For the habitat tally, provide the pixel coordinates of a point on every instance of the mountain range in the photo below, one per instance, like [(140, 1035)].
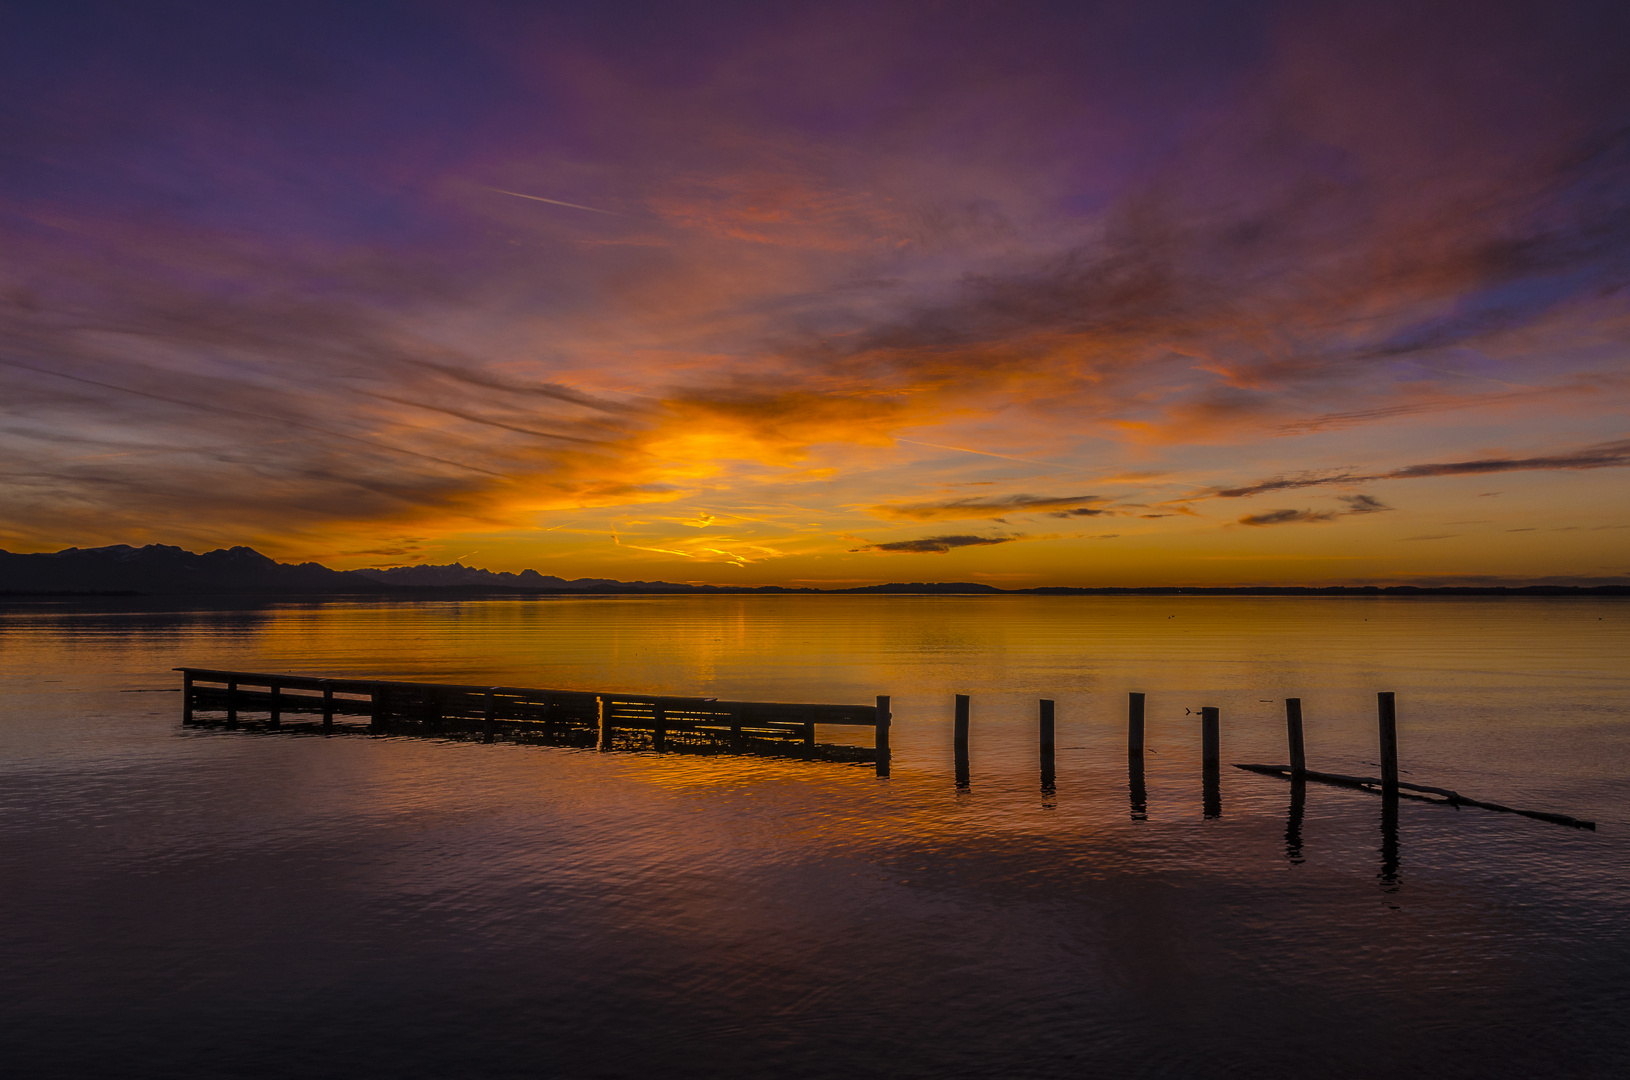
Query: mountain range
[(162, 569)]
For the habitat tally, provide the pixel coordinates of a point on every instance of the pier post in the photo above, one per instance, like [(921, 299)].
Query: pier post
[(884, 721), (232, 703), (1211, 760), (1047, 743), (489, 714), (605, 723), (275, 714), (960, 740), (1134, 726), (659, 727), (1293, 727), (376, 708), (1389, 740), (328, 705), (809, 732), (1134, 757), (186, 697)]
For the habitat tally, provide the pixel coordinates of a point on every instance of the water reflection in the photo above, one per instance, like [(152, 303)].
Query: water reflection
[(1389, 842), (1139, 793), (1293, 820)]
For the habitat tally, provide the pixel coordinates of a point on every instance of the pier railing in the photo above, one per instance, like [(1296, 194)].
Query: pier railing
[(571, 717)]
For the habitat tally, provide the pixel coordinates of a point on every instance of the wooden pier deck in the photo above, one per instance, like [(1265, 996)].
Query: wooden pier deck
[(607, 721)]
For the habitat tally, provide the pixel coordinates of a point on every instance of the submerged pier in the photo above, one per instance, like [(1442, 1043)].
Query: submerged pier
[(603, 720)]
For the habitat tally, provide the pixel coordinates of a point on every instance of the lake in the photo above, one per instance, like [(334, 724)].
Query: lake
[(202, 902)]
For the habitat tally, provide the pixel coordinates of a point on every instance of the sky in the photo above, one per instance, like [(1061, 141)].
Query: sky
[(1098, 294)]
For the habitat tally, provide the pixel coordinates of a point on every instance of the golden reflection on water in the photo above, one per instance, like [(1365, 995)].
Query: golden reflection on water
[(795, 911)]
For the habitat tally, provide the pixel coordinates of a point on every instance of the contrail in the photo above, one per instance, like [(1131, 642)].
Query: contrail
[(984, 453), (557, 202)]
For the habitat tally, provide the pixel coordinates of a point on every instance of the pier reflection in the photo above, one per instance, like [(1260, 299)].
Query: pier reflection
[(1212, 793), (1139, 794), (1389, 842), (1293, 820)]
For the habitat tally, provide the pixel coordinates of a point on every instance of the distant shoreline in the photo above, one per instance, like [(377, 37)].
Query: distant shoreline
[(432, 592)]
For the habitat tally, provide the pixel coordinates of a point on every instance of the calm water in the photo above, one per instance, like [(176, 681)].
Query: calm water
[(189, 903)]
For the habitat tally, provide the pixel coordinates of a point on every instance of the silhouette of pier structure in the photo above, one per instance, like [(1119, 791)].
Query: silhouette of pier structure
[(619, 721), (1387, 784), (589, 719)]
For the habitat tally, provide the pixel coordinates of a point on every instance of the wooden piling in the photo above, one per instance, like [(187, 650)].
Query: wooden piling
[(489, 714), (1389, 740), (1293, 727), (232, 703), (885, 720), (1047, 743), (605, 723), (275, 717), (1134, 725), (960, 738), (328, 705), (659, 727), (376, 708), (186, 698), (1210, 739)]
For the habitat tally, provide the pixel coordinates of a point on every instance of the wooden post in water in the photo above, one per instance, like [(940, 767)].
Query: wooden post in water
[(275, 717), (489, 714), (1047, 743), (736, 716), (1389, 740), (328, 706), (232, 703), (1134, 726), (809, 732), (659, 727), (960, 739), (884, 721), (605, 723), (1293, 727), (1211, 760), (376, 707), (1134, 757), (186, 697)]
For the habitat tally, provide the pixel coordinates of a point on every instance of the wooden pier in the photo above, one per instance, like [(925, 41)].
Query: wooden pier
[(588, 719)]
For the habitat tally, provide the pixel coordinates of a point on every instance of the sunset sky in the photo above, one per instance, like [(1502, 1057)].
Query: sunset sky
[(1075, 294)]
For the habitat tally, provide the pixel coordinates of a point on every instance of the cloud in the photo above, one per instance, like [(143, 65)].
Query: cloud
[(1286, 517), (1356, 504), (1601, 456), (991, 506), (935, 545), (1363, 504)]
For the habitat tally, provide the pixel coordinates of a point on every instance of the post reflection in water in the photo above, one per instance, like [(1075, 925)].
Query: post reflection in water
[(1293, 820), (1389, 841), (1140, 794)]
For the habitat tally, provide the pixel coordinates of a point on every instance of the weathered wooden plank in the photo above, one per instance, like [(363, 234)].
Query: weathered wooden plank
[(1453, 798)]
